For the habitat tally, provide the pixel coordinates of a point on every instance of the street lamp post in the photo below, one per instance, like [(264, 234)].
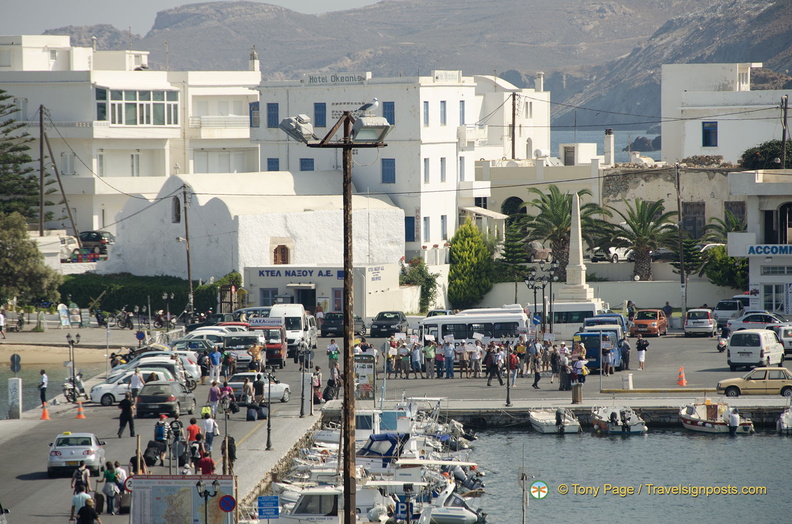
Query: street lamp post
[(167, 297), (73, 342), (303, 356), (268, 370), (362, 132), (206, 494), (553, 278)]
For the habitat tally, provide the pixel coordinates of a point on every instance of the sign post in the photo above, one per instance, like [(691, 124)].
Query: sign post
[(268, 507)]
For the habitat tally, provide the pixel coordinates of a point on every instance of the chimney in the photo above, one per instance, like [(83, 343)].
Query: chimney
[(93, 43), (608, 147), (254, 64), (539, 81)]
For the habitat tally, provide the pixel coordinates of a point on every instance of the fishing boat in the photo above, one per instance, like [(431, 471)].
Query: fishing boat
[(617, 420), (711, 417), (558, 421), (784, 424)]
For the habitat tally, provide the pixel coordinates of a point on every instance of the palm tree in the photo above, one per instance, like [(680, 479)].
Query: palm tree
[(553, 221), (646, 226), (718, 231)]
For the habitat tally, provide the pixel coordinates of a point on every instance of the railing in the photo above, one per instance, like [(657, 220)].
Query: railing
[(472, 133), (219, 122)]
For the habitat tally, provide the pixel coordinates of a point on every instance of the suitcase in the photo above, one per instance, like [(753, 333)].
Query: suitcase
[(151, 456), (206, 410), (99, 498), (263, 413), (125, 502), (252, 414), (328, 393)]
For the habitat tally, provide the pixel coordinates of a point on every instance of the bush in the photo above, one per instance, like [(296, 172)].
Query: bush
[(417, 274)]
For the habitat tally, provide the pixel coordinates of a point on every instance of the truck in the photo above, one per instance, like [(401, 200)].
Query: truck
[(272, 332)]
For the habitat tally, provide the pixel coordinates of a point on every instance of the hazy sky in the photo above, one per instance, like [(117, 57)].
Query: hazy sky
[(32, 17)]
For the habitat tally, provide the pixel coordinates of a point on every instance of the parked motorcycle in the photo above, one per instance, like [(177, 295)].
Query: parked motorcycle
[(101, 318), (124, 319), (73, 393), (722, 343), (161, 320)]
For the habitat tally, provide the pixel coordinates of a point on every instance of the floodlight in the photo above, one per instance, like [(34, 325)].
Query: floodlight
[(298, 127), (370, 129)]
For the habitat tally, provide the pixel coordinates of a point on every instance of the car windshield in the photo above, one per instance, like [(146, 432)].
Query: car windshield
[(155, 390), (388, 315), (73, 441), (272, 335), (744, 339), (333, 316), (240, 341), (728, 306), (698, 315), (646, 315), (293, 323)]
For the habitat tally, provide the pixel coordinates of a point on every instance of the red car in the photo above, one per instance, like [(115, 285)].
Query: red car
[(649, 322)]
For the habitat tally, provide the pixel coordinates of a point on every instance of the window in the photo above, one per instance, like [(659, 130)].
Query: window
[(426, 229), (736, 208), (320, 114), (389, 112), (388, 170), (176, 210), (21, 105), (267, 296), (529, 109), (255, 114), (100, 164), (442, 112), (426, 114), (273, 164), (67, 163), (709, 134), (272, 115), (461, 112), (338, 299), (773, 297), (281, 255), (693, 218), (461, 169), (442, 169), (53, 54), (480, 202), (444, 227), (134, 164), (306, 164), (426, 170), (409, 229), (134, 108), (459, 331)]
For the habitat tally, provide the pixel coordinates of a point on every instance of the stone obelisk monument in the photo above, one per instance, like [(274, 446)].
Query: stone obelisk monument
[(576, 289)]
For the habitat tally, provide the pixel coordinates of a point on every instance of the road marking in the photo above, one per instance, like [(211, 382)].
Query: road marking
[(243, 439)]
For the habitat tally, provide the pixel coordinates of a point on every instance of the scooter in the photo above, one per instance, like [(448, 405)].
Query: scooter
[(722, 343), (73, 393), (161, 320), (101, 318)]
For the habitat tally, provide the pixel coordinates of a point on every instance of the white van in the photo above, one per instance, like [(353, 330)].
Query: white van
[(300, 327), (754, 347), (611, 328)]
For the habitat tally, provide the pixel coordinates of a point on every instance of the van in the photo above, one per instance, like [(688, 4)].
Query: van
[(240, 342), (300, 327), (610, 328), (784, 333), (593, 341), (606, 319), (726, 310), (754, 347), (744, 299)]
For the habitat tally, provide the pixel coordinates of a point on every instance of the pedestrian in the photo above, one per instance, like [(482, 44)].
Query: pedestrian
[(319, 315), (564, 373), (177, 429), (227, 394), (514, 367), (255, 357), (546, 353), (197, 450), (332, 353), (207, 464), (624, 347), (734, 422), (579, 370), (640, 345), (258, 389), (161, 436), (439, 362), (229, 364), (390, 360), (404, 355), (136, 383), (86, 514), (449, 352), (334, 382), (43, 388), (605, 368), (205, 364), (248, 394), (215, 360), (316, 383), (417, 360), (79, 500), (429, 356), (213, 397), (81, 477), (193, 430), (137, 466), (475, 359), (121, 476), (667, 309), (211, 430), (2, 322), (110, 488), (492, 365), (127, 407), (463, 358), (555, 364), (631, 310), (536, 366)]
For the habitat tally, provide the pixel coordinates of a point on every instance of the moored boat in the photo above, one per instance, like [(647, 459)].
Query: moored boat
[(784, 423), (711, 417), (559, 421), (617, 420)]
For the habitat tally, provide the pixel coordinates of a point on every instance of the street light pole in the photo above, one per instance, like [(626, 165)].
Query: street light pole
[(269, 408), (73, 342), (206, 495)]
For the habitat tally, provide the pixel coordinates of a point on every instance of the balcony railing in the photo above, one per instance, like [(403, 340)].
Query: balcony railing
[(219, 122), (472, 133)]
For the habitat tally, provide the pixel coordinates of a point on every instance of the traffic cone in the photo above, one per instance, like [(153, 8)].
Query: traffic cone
[(681, 380), (80, 412), (44, 413)]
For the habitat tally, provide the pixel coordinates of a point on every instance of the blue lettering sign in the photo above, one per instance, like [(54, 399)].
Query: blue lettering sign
[(269, 272), (340, 274), (770, 249)]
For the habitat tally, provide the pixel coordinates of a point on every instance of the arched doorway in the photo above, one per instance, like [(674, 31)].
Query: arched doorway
[(281, 255)]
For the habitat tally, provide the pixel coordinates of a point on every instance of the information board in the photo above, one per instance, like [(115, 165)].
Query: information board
[(175, 498)]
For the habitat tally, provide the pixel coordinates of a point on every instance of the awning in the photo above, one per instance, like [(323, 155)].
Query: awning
[(485, 212), (301, 285)]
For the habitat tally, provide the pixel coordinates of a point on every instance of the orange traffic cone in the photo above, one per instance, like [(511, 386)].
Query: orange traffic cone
[(681, 380), (80, 412), (44, 413)]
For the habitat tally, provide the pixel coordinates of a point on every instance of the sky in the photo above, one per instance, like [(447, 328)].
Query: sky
[(33, 17)]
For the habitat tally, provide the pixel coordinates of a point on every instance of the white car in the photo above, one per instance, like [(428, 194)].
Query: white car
[(280, 390), (700, 322), (611, 254), (70, 448), (189, 360), (754, 321), (111, 391)]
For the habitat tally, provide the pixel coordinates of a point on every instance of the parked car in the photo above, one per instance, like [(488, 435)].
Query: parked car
[(784, 333), (439, 312), (113, 390), (536, 251), (388, 323), (759, 320), (754, 348), (164, 397), (649, 322), (245, 314), (189, 360), (726, 310), (96, 241), (280, 391), (758, 381), (212, 320), (68, 244), (611, 254), (333, 323), (70, 448), (700, 322), (198, 345), (663, 253)]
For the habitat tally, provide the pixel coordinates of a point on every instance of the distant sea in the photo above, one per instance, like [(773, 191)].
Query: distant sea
[(621, 137)]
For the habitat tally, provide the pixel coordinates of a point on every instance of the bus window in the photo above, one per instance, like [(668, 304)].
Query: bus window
[(459, 331), (571, 317), (480, 327), (505, 329), (430, 329)]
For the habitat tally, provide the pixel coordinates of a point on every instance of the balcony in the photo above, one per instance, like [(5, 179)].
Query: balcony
[(103, 129), (472, 135), (215, 126)]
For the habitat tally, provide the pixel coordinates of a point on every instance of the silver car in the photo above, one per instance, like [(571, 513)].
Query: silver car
[(70, 448)]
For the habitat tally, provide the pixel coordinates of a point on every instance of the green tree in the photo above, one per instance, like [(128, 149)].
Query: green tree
[(469, 277), (764, 156), (23, 273), (18, 181), (723, 270), (718, 230), (693, 257), (514, 257), (552, 222), (417, 274), (645, 227)]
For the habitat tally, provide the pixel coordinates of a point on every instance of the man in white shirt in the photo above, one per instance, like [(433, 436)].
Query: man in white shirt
[(475, 359), (332, 353), (136, 383), (43, 388)]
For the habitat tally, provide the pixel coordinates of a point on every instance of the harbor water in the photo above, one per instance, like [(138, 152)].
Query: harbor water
[(642, 474)]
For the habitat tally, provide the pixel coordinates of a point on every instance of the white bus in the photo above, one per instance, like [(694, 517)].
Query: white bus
[(568, 317), (493, 323)]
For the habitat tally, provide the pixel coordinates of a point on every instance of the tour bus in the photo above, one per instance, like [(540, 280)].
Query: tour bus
[(492, 323), (568, 317)]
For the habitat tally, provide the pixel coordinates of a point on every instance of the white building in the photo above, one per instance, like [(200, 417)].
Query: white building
[(442, 124), (709, 109), (117, 128), (252, 221)]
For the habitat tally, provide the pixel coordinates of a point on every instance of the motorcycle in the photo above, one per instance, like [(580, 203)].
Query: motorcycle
[(722, 343), (161, 320), (124, 319), (101, 318), (73, 393)]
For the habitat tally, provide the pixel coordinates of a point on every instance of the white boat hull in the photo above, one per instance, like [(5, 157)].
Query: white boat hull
[(711, 418), (544, 421), (784, 425), (626, 421)]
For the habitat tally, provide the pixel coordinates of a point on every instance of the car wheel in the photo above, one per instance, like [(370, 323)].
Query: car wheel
[(192, 408), (614, 259), (281, 364), (786, 392), (107, 399), (732, 392), (286, 395)]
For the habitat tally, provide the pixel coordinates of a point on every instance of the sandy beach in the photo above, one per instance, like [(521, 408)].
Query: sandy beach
[(49, 355)]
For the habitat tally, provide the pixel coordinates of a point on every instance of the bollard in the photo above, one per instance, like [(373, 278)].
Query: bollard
[(627, 381), (14, 397), (577, 393)]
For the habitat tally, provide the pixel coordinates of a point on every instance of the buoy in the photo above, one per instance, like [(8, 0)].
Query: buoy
[(44, 413), (681, 380), (80, 412)]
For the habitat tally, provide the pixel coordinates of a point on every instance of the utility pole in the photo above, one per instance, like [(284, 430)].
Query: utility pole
[(784, 105), (60, 184), (682, 276), (187, 246), (513, 126), (41, 170)]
